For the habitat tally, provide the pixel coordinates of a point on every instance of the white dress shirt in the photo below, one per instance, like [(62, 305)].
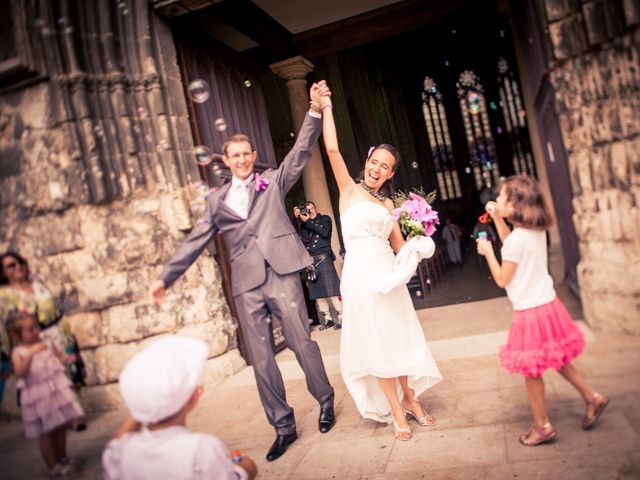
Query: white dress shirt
[(238, 196)]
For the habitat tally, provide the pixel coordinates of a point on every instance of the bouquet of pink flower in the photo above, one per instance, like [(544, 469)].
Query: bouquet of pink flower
[(415, 215)]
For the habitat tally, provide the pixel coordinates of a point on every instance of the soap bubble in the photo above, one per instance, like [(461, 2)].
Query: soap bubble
[(467, 170), (473, 103), (202, 155), (418, 293), (247, 83), (122, 5), (220, 124), (199, 91), (414, 165)]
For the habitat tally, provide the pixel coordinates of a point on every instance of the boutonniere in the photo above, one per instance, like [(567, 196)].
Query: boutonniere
[(261, 183)]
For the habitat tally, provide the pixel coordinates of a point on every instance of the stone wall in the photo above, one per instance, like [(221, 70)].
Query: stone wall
[(97, 188), (596, 75)]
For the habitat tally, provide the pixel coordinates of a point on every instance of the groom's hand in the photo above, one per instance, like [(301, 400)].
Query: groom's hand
[(156, 291)]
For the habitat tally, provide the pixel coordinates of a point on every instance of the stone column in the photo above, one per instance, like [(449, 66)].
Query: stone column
[(294, 71)]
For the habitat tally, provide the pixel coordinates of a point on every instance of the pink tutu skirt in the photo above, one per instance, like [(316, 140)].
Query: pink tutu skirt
[(540, 338)]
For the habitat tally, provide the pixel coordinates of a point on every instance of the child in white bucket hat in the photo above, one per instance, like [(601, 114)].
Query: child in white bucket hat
[(160, 387)]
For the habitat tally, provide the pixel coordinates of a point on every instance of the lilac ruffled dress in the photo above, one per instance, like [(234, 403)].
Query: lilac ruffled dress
[(47, 399)]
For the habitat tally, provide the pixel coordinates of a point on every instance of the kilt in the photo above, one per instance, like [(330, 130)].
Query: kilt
[(327, 283)]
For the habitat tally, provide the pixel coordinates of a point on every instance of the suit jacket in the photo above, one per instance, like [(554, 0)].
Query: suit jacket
[(265, 235)]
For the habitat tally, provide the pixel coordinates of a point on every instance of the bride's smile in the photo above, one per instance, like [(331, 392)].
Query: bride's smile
[(379, 168)]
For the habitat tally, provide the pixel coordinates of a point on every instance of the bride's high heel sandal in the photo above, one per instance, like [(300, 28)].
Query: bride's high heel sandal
[(402, 433), (426, 421)]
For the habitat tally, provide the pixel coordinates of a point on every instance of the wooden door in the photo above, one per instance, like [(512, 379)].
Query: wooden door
[(559, 182), (235, 104)]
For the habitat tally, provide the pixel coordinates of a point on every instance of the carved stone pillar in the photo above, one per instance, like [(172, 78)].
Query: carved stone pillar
[(294, 71)]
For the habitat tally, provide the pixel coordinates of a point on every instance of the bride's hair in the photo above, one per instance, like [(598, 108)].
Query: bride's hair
[(387, 189)]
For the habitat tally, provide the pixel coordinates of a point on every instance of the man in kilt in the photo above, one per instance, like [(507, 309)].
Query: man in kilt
[(315, 232)]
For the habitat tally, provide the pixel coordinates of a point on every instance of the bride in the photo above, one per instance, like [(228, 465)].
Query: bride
[(384, 358)]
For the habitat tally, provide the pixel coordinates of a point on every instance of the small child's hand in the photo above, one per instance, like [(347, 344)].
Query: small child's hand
[(484, 246), (38, 347), (492, 209)]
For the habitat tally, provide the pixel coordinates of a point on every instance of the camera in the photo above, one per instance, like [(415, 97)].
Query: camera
[(303, 209)]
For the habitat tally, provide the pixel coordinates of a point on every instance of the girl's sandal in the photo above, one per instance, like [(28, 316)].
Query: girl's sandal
[(546, 433), (402, 433), (599, 402)]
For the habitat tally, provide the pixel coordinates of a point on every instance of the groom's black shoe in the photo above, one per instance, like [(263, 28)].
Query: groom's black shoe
[(280, 445), (327, 419)]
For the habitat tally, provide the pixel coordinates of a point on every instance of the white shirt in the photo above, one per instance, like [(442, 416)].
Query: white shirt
[(531, 285), (238, 196), (174, 453)]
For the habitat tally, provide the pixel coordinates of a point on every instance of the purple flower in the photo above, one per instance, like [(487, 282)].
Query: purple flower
[(416, 217), (261, 183)]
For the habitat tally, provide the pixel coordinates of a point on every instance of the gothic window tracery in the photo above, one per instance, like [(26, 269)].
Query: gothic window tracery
[(440, 141), (515, 119), (482, 151)]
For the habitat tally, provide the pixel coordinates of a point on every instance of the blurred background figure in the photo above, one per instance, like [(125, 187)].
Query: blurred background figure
[(19, 292), (324, 284), (451, 234)]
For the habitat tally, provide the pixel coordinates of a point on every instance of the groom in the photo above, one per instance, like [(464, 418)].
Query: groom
[(265, 256)]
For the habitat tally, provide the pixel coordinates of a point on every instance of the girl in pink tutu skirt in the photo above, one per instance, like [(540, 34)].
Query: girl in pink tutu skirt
[(542, 333), (47, 399)]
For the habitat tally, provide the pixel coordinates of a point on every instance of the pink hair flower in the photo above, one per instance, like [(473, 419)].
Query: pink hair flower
[(261, 183)]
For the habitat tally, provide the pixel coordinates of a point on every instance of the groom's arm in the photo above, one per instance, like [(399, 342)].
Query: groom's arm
[(191, 248), (291, 168)]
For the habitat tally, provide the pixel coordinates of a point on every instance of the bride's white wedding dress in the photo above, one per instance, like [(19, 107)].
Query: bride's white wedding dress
[(381, 334)]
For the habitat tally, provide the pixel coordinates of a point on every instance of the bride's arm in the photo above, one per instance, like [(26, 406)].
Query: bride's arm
[(330, 137), (395, 238)]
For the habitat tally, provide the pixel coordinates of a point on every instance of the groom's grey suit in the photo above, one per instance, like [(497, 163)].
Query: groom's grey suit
[(265, 255)]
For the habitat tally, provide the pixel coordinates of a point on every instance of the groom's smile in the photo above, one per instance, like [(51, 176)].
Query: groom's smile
[(240, 159)]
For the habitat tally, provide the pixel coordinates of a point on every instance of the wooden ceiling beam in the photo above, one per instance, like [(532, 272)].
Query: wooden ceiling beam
[(249, 19), (377, 24)]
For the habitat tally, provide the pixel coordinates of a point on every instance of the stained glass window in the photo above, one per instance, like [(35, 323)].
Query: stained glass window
[(440, 141), (482, 151), (515, 119)]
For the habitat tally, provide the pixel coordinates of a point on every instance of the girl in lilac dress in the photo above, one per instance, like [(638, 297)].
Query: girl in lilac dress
[(47, 399), (542, 334)]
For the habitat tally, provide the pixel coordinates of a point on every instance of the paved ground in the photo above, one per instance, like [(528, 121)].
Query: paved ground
[(481, 410)]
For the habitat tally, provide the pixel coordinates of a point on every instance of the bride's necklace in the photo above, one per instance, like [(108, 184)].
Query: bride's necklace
[(371, 191)]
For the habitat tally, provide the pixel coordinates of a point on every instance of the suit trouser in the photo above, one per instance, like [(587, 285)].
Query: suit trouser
[(281, 296)]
